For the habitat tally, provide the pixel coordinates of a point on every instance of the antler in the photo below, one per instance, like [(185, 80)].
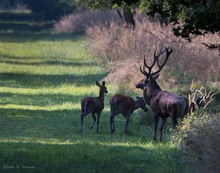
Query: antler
[(156, 60)]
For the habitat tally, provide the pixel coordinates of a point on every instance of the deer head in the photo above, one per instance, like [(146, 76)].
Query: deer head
[(152, 76), (102, 88), (140, 103)]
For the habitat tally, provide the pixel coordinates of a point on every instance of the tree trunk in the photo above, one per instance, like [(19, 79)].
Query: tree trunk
[(129, 17)]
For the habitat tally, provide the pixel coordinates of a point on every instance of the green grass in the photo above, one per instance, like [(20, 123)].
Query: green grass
[(42, 80)]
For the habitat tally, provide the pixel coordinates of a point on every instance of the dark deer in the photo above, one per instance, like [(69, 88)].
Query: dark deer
[(162, 103), (126, 106), (93, 105)]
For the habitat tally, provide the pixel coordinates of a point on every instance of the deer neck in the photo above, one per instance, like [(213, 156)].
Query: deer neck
[(136, 105), (154, 89), (151, 91), (101, 95)]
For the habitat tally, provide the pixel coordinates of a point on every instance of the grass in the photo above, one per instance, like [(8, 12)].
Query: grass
[(42, 80)]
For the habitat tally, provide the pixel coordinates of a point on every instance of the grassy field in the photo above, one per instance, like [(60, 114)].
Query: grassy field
[(42, 80)]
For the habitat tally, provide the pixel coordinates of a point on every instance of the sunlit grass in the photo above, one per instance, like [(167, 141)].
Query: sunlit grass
[(57, 49), (55, 141), (50, 69), (64, 106), (62, 89)]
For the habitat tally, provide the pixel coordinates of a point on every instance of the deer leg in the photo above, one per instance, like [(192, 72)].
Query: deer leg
[(156, 119), (81, 123), (126, 124), (163, 123), (98, 116), (112, 123), (94, 118), (174, 121)]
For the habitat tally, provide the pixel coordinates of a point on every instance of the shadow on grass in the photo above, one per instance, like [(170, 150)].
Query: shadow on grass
[(65, 62), (37, 36), (38, 123), (43, 125), (39, 81), (26, 60), (88, 157), (38, 99), (29, 26)]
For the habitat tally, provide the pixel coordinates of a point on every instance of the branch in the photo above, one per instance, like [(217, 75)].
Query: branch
[(212, 46)]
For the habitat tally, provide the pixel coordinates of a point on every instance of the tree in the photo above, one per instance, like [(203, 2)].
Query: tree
[(127, 7), (51, 9), (188, 18)]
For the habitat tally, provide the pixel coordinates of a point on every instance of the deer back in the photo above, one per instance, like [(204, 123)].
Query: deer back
[(92, 104), (168, 103), (122, 104)]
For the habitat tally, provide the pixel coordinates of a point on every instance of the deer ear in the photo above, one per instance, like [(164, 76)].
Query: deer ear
[(155, 77), (97, 83), (103, 83)]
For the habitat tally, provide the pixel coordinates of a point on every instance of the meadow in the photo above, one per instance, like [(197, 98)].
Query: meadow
[(42, 80)]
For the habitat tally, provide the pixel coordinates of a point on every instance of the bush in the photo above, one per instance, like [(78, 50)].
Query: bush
[(199, 139), (78, 22)]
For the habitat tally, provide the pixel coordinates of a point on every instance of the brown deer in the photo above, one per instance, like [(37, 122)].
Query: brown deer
[(162, 103), (126, 106), (93, 105)]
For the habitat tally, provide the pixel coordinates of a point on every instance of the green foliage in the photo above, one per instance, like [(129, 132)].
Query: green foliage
[(187, 17), (51, 9)]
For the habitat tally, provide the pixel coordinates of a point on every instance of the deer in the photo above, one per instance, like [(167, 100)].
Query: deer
[(163, 103), (126, 106), (93, 105)]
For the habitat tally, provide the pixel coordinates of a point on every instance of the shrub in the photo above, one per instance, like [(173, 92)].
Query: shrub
[(199, 136), (199, 139), (78, 22)]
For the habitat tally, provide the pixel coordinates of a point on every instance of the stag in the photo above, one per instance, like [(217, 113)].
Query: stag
[(126, 106), (162, 103), (93, 105), (201, 101)]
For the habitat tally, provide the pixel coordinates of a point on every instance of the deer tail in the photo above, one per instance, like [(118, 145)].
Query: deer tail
[(84, 106)]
